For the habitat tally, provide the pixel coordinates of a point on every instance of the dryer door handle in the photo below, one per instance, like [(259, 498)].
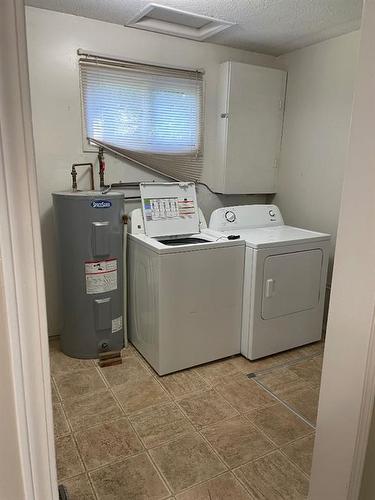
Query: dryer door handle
[(270, 288)]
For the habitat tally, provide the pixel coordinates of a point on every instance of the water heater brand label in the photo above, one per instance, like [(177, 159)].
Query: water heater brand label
[(101, 204), (101, 276)]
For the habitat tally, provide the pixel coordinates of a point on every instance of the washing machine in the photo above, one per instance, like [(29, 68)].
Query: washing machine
[(184, 281), (284, 278)]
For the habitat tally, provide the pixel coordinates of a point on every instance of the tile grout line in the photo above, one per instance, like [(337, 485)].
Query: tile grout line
[(202, 482), (54, 385), (239, 467), (211, 382), (93, 393), (124, 415), (66, 419), (172, 400), (117, 460), (197, 394), (57, 388), (162, 478), (141, 410), (276, 446), (201, 376), (194, 431), (230, 468), (243, 415), (284, 403), (230, 471), (88, 478), (197, 431), (79, 456), (123, 459), (240, 415), (307, 476), (87, 472), (259, 458), (187, 394), (92, 487), (157, 377), (76, 446), (280, 447), (284, 365)]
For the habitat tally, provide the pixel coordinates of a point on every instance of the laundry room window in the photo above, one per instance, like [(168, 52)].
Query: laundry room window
[(149, 114)]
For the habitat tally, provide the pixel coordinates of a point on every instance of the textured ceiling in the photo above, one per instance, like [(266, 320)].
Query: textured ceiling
[(267, 26)]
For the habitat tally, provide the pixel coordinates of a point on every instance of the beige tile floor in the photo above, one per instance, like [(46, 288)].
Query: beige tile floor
[(208, 433)]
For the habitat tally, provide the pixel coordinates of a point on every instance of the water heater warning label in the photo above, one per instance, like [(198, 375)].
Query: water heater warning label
[(117, 324), (101, 276)]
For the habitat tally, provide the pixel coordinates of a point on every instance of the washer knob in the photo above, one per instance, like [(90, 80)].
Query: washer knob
[(230, 216), (272, 213)]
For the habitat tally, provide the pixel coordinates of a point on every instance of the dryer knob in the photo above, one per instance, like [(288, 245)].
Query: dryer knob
[(272, 213), (230, 216)]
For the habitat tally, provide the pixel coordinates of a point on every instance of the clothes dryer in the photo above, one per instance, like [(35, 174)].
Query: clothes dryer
[(285, 278)]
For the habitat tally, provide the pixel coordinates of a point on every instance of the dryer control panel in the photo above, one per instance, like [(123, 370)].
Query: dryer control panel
[(245, 217)]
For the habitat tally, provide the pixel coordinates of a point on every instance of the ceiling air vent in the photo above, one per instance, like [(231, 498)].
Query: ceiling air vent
[(177, 22)]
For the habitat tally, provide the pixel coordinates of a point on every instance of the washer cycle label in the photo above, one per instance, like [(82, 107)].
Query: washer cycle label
[(168, 208), (101, 204), (101, 276)]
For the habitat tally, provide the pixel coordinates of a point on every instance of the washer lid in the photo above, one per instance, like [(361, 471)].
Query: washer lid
[(169, 208)]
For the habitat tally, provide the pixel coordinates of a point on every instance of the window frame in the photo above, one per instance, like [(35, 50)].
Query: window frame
[(88, 147)]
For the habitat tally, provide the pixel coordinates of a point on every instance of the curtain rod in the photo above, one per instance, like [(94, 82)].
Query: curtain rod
[(87, 53)]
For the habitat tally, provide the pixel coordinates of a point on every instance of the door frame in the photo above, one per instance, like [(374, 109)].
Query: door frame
[(25, 291), (25, 322), (348, 378)]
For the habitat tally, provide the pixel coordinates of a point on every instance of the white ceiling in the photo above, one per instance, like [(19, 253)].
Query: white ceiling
[(267, 26)]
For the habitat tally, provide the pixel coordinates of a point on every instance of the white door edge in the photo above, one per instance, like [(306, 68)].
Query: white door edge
[(22, 265), (348, 377), (366, 414)]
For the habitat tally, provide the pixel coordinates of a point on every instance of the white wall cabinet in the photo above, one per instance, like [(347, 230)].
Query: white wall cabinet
[(250, 120)]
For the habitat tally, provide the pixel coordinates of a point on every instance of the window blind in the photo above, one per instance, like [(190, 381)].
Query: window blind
[(149, 114)]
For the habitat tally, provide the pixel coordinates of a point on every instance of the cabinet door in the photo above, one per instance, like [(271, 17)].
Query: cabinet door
[(254, 116)]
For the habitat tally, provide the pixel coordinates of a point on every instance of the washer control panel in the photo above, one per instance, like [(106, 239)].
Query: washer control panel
[(245, 217)]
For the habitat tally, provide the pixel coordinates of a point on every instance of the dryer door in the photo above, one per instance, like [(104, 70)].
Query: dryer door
[(291, 283)]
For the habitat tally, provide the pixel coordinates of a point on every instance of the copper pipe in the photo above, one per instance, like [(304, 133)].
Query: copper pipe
[(74, 175), (101, 167)]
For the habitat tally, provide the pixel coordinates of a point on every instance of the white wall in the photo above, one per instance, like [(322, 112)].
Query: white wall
[(53, 39), (316, 132), (317, 119)]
